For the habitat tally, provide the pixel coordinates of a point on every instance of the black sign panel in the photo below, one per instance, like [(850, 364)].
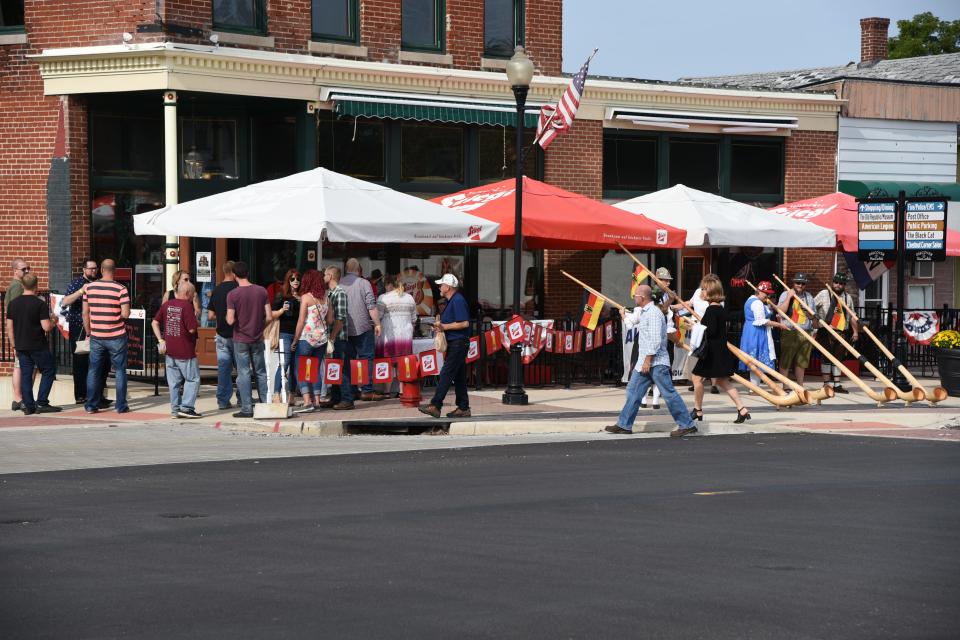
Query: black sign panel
[(876, 230), (136, 326)]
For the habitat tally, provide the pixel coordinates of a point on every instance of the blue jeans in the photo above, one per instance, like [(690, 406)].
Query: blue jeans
[(286, 348), (637, 390), (116, 350), (305, 350), (42, 360), (362, 347), (225, 372), (247, 356), (344, 391), (454, 372), (186, 372)]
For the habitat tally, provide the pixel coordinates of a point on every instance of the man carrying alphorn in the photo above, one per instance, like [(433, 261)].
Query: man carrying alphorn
[(829, 311)]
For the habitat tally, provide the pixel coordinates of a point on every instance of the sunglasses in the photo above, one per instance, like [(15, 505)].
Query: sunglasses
[(292, 278), (24, 269)]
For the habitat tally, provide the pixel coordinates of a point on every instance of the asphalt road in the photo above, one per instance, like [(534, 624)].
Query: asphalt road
[(805, 537)]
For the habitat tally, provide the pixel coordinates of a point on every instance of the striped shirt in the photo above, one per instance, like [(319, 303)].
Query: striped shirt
[(104, 298)]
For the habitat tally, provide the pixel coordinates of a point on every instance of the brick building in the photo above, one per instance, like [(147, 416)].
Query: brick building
[(135, 104)]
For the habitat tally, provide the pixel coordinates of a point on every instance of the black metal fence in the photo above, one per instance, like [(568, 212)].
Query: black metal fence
[(603, 365)]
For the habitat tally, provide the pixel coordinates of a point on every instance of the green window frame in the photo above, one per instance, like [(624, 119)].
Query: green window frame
[(17, 26), (519, 38), (438, 45), (259, 23), (725, 170), (352, 17)]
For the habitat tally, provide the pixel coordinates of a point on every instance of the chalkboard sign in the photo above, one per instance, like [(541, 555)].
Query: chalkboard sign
[(136, 326)]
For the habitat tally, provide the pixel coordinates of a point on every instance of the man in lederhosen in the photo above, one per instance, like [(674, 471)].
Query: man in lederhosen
[(831, 312)]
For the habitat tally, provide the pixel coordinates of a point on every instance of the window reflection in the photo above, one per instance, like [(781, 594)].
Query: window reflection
[(431, 153), (208, 149)]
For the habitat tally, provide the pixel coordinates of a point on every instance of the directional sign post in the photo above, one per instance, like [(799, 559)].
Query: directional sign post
[(925, 230)]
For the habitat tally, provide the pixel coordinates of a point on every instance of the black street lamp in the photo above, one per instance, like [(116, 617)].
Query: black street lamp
[(519, 73)]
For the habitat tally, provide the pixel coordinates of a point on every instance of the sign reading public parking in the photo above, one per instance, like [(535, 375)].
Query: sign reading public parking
[(876, 231), (925, 230)]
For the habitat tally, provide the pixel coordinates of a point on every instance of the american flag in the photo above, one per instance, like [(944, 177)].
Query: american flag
[(555, 119)]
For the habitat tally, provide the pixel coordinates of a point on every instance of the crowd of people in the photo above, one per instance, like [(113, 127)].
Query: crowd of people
[(267, 336)]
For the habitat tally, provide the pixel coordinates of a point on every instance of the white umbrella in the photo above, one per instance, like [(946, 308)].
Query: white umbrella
[(315, 204), (714, 221)]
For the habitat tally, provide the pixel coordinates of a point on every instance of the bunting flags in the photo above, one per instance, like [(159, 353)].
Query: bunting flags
[(591, 312), (359, 372), (428, 363), (491, 341), (473, 350), (639, 275), (608, 332), (588, 342), (308, 369), (407, 368), (332, 371), (382, 370)]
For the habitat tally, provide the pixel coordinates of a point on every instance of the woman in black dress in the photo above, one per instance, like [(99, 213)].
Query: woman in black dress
[(717, 362)]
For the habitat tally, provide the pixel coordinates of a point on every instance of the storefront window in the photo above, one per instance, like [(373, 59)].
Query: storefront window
[(335, 20), (126, 146), (756, 168), (696, 164), (629, 163), (208, 149), (352, 146), (274, 147), (495, 286), (431, 153), (113, 237), (498, 154), (502, 24)]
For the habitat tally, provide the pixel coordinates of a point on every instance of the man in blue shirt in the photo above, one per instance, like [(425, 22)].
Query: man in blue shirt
[(455, 323)]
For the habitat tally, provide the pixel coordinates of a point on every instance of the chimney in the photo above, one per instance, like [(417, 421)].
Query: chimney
[(873, 39)]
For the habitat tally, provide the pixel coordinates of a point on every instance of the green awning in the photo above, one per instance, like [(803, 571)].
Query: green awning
[(860, 188), (430, 108)]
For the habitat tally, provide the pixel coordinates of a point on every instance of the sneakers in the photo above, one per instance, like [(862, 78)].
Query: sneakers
[(243, 414), (16, 406), (188, 413), (431, 410), (307, 408), (839, 389), (679, 433), (617, 430), (459, 413), (224, 407), (48, 408)]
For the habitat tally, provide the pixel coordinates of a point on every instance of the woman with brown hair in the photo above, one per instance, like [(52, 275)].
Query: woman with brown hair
[(716, 362), (310, 334), (286, 311)]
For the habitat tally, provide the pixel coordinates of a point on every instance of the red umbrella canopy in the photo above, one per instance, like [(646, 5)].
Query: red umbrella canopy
[(558, 219), (838, 211)]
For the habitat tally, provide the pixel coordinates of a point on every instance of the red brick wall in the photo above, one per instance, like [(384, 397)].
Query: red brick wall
[(943, 284), (380, 29), (544, 35), (573, 162), (289, 21), (810, 171), (465, 36), (77, 128)]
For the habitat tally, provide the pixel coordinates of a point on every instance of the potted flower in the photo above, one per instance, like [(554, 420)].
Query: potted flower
[(946, 349)]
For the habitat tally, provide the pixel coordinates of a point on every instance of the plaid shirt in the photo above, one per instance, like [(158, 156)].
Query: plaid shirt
[(338, 302), (651, 334)]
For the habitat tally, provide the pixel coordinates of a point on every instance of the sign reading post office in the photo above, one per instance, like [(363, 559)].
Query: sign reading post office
[(877, 231), (925, 230)]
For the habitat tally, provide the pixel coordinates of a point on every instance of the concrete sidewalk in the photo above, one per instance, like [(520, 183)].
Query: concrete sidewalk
[(582, 409)]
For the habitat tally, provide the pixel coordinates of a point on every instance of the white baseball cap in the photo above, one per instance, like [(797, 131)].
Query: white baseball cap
[(450, 280)]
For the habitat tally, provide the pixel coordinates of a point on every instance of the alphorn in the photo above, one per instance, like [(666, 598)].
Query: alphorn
[(914, 395), (752, 363), (937, 395), (887, 394), (779, 401)]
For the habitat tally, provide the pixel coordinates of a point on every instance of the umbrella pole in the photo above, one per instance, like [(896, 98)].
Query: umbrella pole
[(937, 395), (887, 394), (801, 391)]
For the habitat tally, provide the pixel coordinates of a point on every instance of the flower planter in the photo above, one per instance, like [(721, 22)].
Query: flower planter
[(948, 362)]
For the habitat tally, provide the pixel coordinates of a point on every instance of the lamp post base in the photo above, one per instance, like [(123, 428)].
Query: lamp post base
[(515, 397)]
